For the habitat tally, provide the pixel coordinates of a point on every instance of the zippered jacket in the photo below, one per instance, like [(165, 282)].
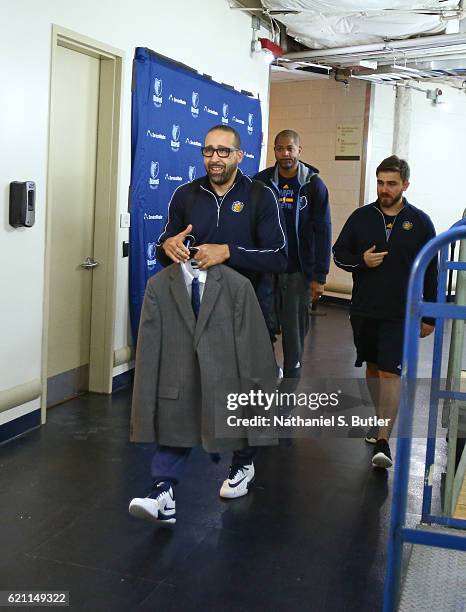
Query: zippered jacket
[(313, 224), (381, 292), (256, 244)]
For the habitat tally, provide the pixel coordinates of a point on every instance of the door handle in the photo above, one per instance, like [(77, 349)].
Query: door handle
[(89, 263)]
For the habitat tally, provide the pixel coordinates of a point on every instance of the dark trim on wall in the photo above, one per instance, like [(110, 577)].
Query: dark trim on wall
[(336, 301), (28, 422), (123, 380), (19, 426)]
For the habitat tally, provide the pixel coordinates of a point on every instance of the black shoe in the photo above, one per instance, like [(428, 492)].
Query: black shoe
[(382, 457), (292, 372), (372, 434)]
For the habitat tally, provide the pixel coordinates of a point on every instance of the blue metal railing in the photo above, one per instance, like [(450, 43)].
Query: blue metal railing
[(416, 309)]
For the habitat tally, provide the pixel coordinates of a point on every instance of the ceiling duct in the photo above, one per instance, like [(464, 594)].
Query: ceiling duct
[(293, 71), (332, 23), (388, 51)]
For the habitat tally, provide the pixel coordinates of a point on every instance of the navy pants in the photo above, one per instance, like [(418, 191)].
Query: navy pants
[(169, 462)]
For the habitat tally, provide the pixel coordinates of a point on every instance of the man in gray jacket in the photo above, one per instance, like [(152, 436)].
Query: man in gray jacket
[(202, 337)]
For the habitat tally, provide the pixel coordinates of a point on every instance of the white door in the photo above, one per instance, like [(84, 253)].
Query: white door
[(74, 122)]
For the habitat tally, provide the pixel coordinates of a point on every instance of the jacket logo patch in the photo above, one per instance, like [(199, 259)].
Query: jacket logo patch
[(302, 202), (407, 225), (237, 206)]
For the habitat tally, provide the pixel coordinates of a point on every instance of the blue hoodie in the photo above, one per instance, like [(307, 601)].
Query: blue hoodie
[(313, 224)]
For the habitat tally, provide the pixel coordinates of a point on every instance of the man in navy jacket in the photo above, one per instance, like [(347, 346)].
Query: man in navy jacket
[(378, 245), (231, 219), (303, 198), (225, 228)]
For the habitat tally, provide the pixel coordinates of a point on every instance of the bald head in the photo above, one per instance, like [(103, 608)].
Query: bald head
[(289, 135), (287, 151)]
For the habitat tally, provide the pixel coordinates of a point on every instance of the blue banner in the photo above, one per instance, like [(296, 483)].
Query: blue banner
[(172, 109)]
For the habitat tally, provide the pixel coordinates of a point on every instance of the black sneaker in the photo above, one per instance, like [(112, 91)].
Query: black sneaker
[(372, 434), (382, 457)]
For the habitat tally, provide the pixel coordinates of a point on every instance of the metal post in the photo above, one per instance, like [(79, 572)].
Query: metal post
[(403, 448), (435, 386), (402, 122), (454, 383), (415, 309), (450, 273)]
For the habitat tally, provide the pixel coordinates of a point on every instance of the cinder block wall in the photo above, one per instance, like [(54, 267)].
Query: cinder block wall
[(314, 108)]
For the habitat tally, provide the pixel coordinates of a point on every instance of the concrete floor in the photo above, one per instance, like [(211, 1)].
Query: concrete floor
[(311, 534)]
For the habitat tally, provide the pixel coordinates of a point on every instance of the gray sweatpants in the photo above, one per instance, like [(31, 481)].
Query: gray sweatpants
[(292, 310)]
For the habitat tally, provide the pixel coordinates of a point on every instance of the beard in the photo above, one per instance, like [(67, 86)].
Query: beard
[(286, 164), (221, 177), (387, 201)]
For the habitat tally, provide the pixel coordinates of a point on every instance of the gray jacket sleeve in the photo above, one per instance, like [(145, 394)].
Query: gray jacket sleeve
[(256, 360), (146, 377)]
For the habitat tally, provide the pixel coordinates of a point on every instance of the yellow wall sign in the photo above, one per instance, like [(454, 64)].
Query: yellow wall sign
[(349, 142)]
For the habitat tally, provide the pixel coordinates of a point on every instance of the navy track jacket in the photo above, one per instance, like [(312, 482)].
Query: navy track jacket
[(228, 220), (313, 225), (381, 292)]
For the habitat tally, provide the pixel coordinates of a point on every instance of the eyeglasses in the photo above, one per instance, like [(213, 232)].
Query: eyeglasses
[(221, 151)]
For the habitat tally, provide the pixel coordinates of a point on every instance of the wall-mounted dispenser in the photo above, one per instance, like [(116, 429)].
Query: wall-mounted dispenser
[(22, 203)]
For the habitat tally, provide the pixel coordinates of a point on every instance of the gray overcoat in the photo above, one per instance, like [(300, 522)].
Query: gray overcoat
[(184, 365)]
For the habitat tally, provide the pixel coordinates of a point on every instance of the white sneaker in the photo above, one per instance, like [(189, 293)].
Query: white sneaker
[(159, 506), (382, 457), (238, 481)]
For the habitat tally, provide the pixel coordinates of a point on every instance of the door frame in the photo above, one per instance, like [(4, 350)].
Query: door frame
[(103, 305)]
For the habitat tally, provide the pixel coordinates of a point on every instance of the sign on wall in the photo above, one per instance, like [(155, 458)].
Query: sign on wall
[(172, 109), (349, 142)]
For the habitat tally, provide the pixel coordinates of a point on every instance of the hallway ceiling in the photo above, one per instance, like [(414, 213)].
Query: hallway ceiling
[(425, 38), (331, 23)]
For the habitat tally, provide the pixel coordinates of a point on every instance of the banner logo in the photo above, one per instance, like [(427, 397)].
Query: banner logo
[(170, 177), (225, 114), (156, 135), (194, 143), (151, 252), (250, 122), (154, 174), (175, 142), (211, 111), (157, 97), (148, 217), (192, 173), (176, 100), (195, 104)]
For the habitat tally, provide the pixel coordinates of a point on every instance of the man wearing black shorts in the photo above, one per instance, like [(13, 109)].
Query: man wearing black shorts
[(378, 245)]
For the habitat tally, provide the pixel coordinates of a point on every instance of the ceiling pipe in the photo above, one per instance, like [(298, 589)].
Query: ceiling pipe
[(393, 45)]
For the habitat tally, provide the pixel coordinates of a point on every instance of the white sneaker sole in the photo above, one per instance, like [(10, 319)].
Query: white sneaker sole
[(371, 435), (380, 460), (227, 492), (142, 511)]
